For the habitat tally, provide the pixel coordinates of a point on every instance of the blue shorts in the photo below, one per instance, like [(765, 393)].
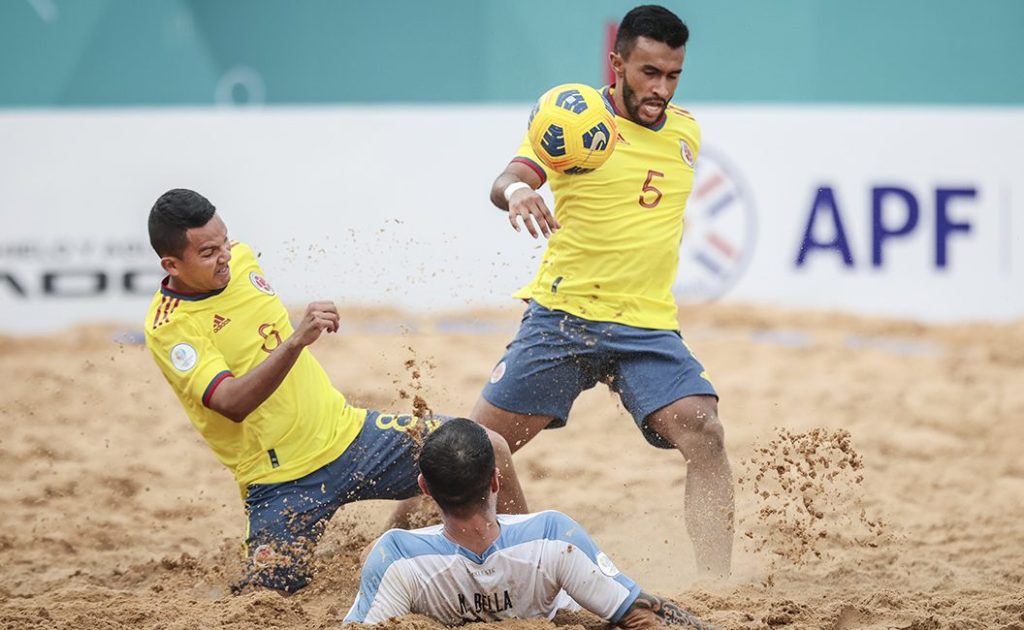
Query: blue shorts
[(286, 520), (556, 355)]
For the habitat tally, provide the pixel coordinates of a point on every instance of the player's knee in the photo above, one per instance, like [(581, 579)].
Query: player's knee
[(502, 452), (709, 434), (693, 427)]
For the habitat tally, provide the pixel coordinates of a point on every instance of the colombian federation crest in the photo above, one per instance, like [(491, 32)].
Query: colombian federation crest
[(261, 283), (686, 152)]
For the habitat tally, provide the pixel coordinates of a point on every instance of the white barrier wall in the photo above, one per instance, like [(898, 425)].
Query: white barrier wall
[(902, 211)]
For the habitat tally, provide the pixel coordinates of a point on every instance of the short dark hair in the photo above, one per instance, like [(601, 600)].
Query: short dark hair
[(173, 214), (653, 22), (457, 461)]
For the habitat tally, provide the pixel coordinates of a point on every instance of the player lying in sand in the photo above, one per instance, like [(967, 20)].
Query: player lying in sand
[(481, 566), (298, 450)]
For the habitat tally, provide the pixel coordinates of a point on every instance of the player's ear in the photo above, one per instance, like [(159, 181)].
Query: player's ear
[(170, 265), (423, 486), (616, 61), (495, 484)]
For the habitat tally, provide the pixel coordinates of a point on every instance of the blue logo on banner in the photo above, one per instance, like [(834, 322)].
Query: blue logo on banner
[(895, 215)]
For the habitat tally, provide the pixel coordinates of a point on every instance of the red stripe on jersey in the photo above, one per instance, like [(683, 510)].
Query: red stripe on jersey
[(156, 315), (682, 112), (212, 387), (165, 310), (171, 306), (536, 167)]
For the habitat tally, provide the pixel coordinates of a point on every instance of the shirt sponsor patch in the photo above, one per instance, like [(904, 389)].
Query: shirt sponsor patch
[(606, 565), (260, 283), (184, 357)]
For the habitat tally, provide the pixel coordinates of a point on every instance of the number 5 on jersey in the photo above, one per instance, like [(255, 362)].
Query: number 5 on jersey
[(646, 200)]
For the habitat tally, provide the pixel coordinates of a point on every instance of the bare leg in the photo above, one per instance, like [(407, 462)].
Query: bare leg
[(510, 493), (692, 425), (516, 428), (509, 432)]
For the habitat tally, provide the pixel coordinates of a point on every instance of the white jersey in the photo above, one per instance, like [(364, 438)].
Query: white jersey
[(539, 564)]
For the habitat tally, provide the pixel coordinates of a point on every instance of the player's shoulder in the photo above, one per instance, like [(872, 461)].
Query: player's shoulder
[(549, 524), (540, 517), (166, 318), (409, 543), (245, 264), (679, 113), (681, 120), (243, 250)]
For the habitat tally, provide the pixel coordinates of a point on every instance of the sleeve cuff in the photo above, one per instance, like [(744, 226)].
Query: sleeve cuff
[(214, 384), (536, 167), (626, 603)]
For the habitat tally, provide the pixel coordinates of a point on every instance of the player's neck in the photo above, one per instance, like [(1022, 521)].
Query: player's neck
[(176, 285), (475, 532), (618, 102)]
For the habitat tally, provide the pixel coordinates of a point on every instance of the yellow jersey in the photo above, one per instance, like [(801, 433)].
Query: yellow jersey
[(616, 254), (198, 340)]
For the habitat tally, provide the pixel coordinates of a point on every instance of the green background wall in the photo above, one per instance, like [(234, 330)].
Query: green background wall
[(199, 52)]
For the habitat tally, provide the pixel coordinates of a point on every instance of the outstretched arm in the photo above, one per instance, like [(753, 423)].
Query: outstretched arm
[(236, 398), (523, 202), (650, 610)]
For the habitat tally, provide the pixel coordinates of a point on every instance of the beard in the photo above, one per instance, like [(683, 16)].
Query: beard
[(633, 103)]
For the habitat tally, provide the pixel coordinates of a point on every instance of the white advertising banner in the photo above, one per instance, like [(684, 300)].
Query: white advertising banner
[(907, 212)]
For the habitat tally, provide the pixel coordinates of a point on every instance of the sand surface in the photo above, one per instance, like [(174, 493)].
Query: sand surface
[(881, 466)]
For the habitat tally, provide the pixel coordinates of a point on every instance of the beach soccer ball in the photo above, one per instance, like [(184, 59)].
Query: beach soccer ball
[(572, 129)]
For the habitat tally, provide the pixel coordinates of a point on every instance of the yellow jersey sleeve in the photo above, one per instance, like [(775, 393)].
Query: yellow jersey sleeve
[(190, 363), (526, 155)]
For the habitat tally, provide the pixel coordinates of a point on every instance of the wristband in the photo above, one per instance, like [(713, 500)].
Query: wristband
[(511, 188)]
